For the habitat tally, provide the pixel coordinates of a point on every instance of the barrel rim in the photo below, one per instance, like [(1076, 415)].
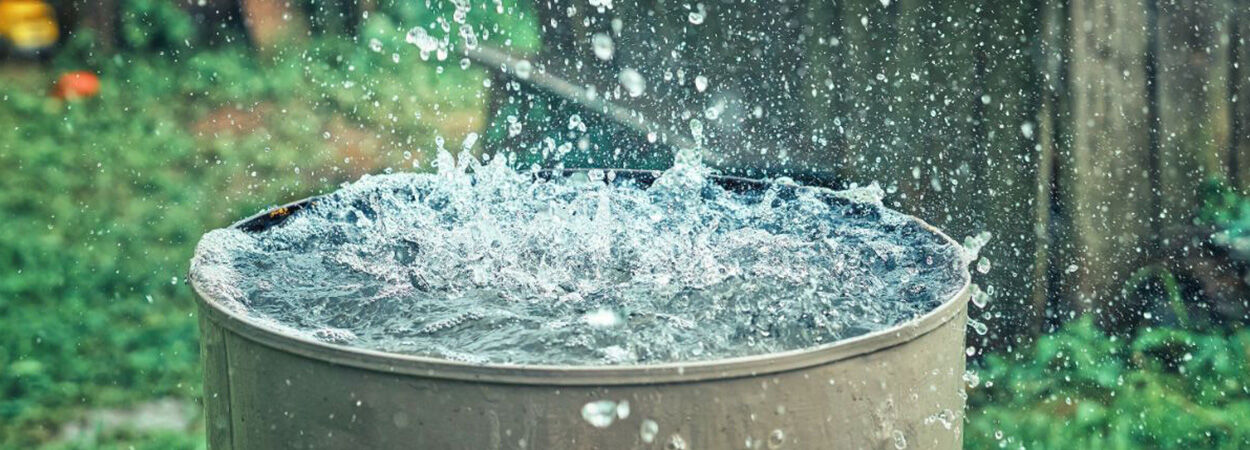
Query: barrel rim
[(568, 375)]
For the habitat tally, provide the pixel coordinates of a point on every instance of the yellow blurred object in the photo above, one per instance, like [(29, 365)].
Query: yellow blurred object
[(27, 25)]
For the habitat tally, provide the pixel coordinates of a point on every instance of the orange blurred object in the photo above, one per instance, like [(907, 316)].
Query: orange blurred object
[(76, 84)]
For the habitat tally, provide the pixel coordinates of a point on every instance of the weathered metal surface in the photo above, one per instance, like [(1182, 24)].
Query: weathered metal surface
[(900, 386)]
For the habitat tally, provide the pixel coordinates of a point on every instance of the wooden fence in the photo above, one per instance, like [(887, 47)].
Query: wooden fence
[(1078, 132)]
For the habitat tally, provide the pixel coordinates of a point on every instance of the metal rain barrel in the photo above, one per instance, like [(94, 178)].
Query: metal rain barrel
[(895, 388)]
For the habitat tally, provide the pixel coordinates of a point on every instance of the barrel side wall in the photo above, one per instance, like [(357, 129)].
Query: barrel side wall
[(260, 397)]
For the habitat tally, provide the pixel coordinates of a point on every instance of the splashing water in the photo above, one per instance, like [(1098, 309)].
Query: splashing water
[(602, 45), (633, 82), (481, 263)]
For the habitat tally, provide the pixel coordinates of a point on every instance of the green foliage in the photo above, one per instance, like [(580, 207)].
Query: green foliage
[(1185, 385), (104, 200), (142, 441), (154, 24), (1080, 388), (1229, 212)]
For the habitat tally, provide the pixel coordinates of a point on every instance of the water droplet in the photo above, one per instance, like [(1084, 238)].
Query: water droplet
[(601, 5), (1026, 129), (900, 441), (983, 265), (602, 318), (600, 413), (676, 442), (971, 379), (648, 430), (633, 82), (375, 45), (422, 39), (602, 45), (978, 327), (622, 409), (972, 244), (696, 17), (700, 83), (524, 69), (979, 298), (776, 438), (469, 36)]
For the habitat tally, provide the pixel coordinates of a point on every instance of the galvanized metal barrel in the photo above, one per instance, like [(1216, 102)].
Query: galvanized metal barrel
[(897, 388)]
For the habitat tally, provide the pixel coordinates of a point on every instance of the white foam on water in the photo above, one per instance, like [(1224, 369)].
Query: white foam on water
[(481, 263)]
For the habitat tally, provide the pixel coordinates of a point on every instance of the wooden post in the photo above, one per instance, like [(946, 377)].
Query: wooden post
[(1105, 186), (1009, 164), (1193, 104), (1239, 87), (1052, 92)]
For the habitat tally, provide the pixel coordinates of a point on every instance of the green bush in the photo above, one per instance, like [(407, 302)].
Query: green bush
[(104, 200), (1229, 212), (1081, 388)]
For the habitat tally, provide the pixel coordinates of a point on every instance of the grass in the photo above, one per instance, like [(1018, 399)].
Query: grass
[(105, 198)]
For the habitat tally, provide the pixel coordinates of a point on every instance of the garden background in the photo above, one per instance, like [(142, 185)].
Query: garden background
[(1100, 141)]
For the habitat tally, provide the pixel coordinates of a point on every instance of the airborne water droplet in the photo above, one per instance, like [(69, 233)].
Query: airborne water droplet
[(602, 46), (978, 327), (696, 17), (972, 379), (983, 265), (978, 297), (676, 442), (776, 438), (633, 82), (599, 414), (648, 430), (524, 69), (900, 441), (622, 409)]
